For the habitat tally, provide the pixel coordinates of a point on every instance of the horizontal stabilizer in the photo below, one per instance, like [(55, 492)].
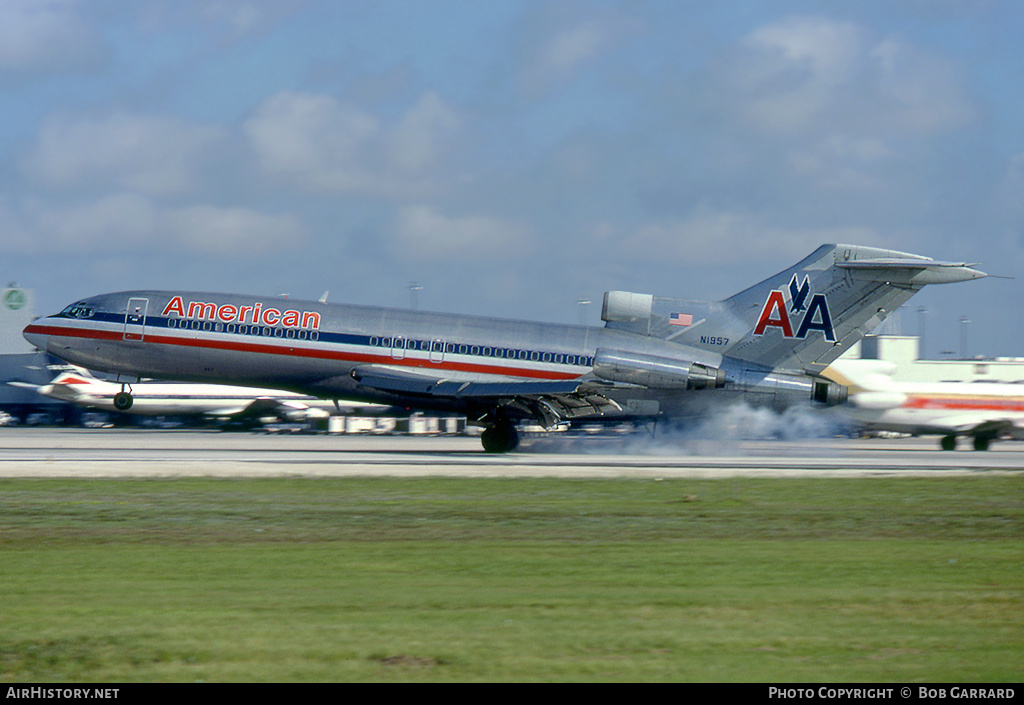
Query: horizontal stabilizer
[(917, 271)]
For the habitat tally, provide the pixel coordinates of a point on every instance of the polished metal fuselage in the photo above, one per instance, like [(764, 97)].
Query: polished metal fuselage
[(654, 357), (314, 347)]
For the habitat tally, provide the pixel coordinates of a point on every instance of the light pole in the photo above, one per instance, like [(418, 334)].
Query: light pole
[(922, 313), (583, 303)]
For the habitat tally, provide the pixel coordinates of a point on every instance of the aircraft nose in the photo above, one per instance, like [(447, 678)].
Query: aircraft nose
[(34, 334)]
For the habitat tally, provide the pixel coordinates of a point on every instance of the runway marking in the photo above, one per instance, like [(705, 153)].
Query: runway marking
[(26, 452)]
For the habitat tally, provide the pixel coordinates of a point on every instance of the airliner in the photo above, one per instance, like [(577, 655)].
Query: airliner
[(655, 358), (982, 411), (215, 401)]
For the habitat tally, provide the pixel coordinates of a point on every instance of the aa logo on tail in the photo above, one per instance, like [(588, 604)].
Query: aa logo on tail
[(776, 314)]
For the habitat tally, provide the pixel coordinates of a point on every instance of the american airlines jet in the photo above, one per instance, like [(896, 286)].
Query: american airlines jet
[(655, 358)]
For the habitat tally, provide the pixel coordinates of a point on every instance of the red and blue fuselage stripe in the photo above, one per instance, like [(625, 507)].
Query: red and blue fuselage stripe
[(322, 345)]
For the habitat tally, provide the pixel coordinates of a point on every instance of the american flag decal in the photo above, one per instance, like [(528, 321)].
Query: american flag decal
[(680, 319)]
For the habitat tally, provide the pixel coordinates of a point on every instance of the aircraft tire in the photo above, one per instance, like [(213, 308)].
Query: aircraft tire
[(500, 439), (123, 401), (948, 442)]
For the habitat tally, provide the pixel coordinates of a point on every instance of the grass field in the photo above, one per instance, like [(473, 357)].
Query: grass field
[(774, 580)]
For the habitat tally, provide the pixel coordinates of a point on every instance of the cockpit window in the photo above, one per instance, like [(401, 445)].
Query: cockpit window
[(79, 310)]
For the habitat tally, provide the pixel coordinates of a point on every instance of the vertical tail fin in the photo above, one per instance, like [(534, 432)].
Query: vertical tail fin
[(802, 318), (806, 316)]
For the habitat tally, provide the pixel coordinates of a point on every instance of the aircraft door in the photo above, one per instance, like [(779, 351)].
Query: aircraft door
[(398, 347), (135, 319), (437, 351)]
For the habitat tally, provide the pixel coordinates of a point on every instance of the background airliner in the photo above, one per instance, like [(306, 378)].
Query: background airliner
[(983, 411), (655, 358), (215, 401)]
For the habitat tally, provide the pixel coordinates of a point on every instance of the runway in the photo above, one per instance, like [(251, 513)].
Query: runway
[(124, 453)]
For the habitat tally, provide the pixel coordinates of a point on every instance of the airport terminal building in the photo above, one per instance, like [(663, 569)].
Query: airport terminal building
[(22, 364), (902, 350)]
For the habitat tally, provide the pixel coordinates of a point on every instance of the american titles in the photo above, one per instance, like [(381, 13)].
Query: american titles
[(255, 314)]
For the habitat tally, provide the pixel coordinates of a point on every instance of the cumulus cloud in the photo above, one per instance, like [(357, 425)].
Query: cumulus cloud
[(156, 155), (424, 234), (243, 16), (814, 73), (842, 162), (311, 138), (820, 120), (793, 72), (235, 18), (917, 91), (119, 222), (315, 142), (421, 137), (566, 45), (238, 232), (135, 224), (41, 36), (722, 237)]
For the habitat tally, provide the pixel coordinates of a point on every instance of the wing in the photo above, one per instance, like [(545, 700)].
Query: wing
[(260, 407), (548, 401)]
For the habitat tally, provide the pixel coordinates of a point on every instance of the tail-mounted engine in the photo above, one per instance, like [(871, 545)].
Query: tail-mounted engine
[(759, 387), (829, 393), (781, 389), (655, 372)]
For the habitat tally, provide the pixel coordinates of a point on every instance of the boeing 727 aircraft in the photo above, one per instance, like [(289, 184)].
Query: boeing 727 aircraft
[(654, 358)]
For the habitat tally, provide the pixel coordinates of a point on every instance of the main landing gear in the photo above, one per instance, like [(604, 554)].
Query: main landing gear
[(981, 442), (502, 437), (123, 400)]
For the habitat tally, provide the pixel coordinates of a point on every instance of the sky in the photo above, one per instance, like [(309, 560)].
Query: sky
[(512, 157)]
